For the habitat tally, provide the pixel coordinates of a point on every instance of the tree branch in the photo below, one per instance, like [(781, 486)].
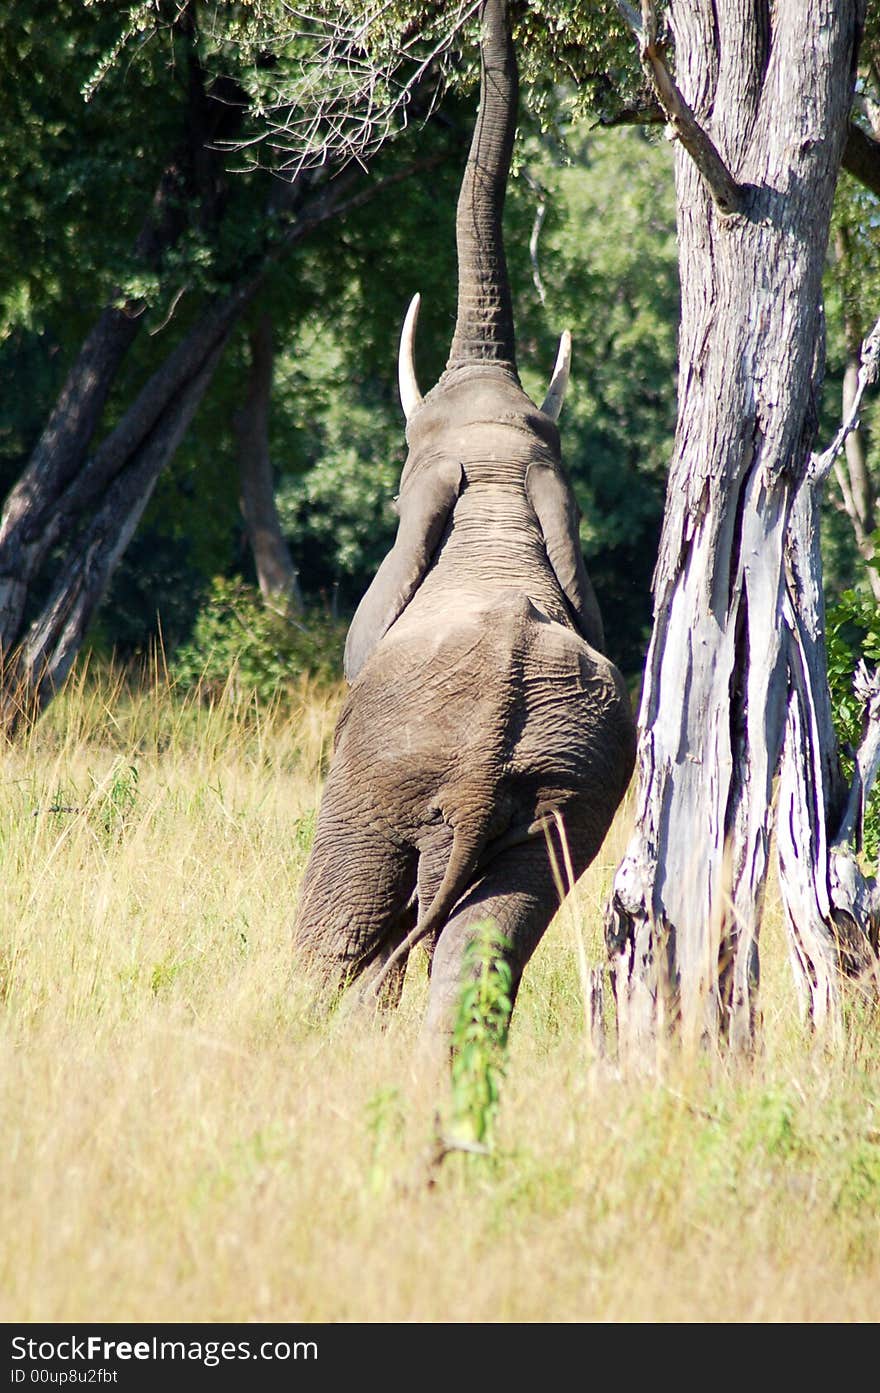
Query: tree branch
[(729, 196), (820, 465), (650, 115), (632, 18), (861, 158), (540, 214)]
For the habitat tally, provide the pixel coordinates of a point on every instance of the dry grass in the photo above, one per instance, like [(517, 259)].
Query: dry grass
[(186, 1138)]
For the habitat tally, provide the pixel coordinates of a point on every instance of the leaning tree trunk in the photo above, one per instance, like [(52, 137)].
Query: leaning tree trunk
[(771, 85), (59, 453), (54, 638)]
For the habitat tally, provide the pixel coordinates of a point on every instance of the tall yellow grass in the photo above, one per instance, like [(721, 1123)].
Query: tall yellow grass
[(187, 1138)]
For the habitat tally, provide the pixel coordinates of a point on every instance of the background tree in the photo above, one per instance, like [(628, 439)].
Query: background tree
[(196, 236)]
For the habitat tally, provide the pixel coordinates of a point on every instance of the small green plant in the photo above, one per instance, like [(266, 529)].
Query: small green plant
[(240, 645), (163, 976), (480, 1036), (118, 801), (384, 1113), (304, 831)]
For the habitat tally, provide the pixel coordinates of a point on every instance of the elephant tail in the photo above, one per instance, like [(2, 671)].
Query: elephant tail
[(468, 841)]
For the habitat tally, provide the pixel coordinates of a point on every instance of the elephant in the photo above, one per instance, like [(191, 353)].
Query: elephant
[(482, 712)]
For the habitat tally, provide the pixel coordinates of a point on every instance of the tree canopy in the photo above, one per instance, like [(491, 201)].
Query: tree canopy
[(105, 100)]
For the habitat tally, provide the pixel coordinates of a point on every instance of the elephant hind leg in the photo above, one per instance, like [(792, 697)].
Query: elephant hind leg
[(391, 989), (518, 892), (355, 903)]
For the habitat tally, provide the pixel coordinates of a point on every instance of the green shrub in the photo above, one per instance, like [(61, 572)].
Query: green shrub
[(853, 634), (239, 644), (479, 1037)]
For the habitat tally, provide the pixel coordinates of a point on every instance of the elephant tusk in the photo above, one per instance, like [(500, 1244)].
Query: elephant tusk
[(559, 381), (410, 396)]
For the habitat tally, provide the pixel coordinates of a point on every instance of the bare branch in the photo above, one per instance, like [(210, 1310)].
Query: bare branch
[(820, 465), (729, 196), (540, 214), (354, 80), (866, 686), (650, 115)]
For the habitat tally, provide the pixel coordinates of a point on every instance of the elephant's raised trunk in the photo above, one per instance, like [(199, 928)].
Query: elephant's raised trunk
[(484, 326)]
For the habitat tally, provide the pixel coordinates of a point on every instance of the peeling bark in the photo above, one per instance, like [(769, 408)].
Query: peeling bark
[(773, 87), (832, 909)]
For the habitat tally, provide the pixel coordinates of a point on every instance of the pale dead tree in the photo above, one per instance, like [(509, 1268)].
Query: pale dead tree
[(832, 910), (735, 692)]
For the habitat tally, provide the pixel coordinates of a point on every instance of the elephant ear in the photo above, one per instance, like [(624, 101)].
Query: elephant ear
[(426, 501), (558, 515)]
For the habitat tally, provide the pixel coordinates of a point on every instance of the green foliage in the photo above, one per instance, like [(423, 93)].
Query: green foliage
[(852, 303), (479, 1037), (163, 976), (240, 645), (304, 832), (157, 589), (336, 431), (608, 259), (385, 1125), (853, 636), (338, 516), (579, 51), (573, 54)]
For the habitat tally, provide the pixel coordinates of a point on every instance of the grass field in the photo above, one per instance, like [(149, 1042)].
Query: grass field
[(187, 1138)]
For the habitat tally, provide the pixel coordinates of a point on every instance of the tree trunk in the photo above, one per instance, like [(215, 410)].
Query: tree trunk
[(276, 573), (772, 85), (53, 640), (61, 449)]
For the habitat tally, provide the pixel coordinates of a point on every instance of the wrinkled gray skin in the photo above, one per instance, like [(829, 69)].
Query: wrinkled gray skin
[(480, 700)]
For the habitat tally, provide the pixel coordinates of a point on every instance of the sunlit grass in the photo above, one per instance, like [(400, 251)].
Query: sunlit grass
[(187, 1138)]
